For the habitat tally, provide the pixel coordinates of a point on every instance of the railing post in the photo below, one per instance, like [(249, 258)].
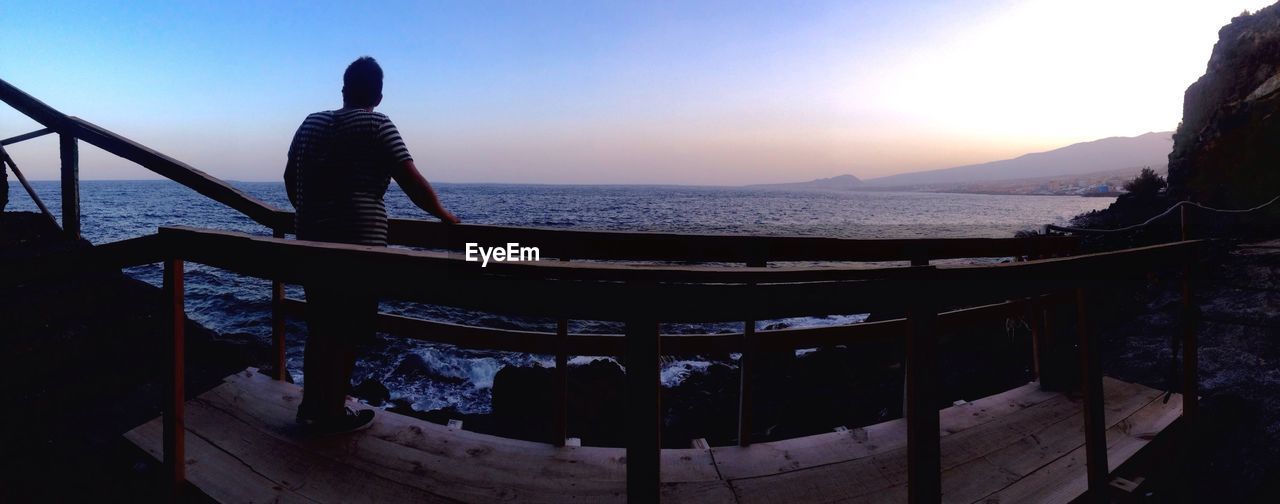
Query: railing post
[(1037, 333), (4, 157), (644, 415), (746, 372), (175, 378), (1184, 226), (560, 419), (918, 258), (277, 321), (746, 369), (924, 452), (70, 185), (1190, 347), (1095, 435)]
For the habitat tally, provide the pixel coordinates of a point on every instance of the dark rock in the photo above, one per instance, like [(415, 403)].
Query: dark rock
[(523, 400), (371, 391), (792, 396), (704, 405), (1224, 150), (82, 357)]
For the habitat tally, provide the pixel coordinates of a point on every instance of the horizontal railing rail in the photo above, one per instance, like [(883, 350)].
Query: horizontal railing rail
[(590, 290), (609, 292), (613, 245), (611, 344)]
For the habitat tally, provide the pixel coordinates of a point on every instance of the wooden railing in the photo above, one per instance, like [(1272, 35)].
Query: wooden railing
[(642, 297), (70, 130), (638, 296)]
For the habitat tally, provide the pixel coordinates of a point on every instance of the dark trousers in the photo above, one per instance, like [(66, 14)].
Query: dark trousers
[(340, 319)]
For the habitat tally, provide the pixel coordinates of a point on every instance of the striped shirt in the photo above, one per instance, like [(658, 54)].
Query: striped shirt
[(340, 163)]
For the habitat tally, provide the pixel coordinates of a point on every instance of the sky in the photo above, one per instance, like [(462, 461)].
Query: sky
[(613, 92)]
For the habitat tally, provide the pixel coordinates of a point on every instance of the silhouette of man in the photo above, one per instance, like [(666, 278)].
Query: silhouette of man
[(340, 164)]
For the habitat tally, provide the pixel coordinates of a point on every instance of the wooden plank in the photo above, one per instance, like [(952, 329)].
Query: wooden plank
[(26, 136), (435, 457), (672, 344), (971, 444), (700, 294), (215, 472), (990, 444), (587, 463), (768, 458), (1064, 480), (31, 107), (70, 157), (1041, 442), (177, 171), (607, 245), (467, 465), (289, 465), (1045, 444), (955, 419), (549, 288), (146, 249), (211, 245)]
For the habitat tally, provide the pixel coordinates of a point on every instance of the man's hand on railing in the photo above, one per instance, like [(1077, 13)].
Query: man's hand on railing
[(420, 192)]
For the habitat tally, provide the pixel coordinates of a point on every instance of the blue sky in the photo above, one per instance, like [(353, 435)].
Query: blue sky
[(614, 92)]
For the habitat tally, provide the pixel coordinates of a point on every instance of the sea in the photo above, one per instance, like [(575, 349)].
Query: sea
[(433, 376)]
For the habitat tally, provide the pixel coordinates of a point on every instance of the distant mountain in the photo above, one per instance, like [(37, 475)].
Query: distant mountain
[(1115, 153), (838, 182)]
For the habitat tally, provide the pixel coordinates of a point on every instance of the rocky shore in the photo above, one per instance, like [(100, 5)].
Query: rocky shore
[(794, 395), (80, 359), (1238, 293)]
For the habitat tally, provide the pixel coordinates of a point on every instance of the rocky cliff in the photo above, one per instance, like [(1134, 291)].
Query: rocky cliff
[(1226, 151)]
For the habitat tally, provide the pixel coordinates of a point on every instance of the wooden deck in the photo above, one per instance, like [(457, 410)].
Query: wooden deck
[(1023, 445)]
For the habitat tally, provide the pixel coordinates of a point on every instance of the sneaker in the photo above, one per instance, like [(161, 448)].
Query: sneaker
[(349, 421)]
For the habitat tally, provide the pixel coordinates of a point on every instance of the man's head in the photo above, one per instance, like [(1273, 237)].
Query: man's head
[(362, 83)]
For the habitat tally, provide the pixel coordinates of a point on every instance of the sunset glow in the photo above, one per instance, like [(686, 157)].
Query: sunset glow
[(582, 92)]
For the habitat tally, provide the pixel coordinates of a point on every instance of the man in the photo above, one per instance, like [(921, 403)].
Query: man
[(340, 164)]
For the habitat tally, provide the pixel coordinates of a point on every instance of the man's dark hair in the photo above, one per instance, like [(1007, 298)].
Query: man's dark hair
[(362, 83)]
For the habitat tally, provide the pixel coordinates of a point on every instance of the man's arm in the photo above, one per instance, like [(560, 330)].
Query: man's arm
[(420, 191)]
